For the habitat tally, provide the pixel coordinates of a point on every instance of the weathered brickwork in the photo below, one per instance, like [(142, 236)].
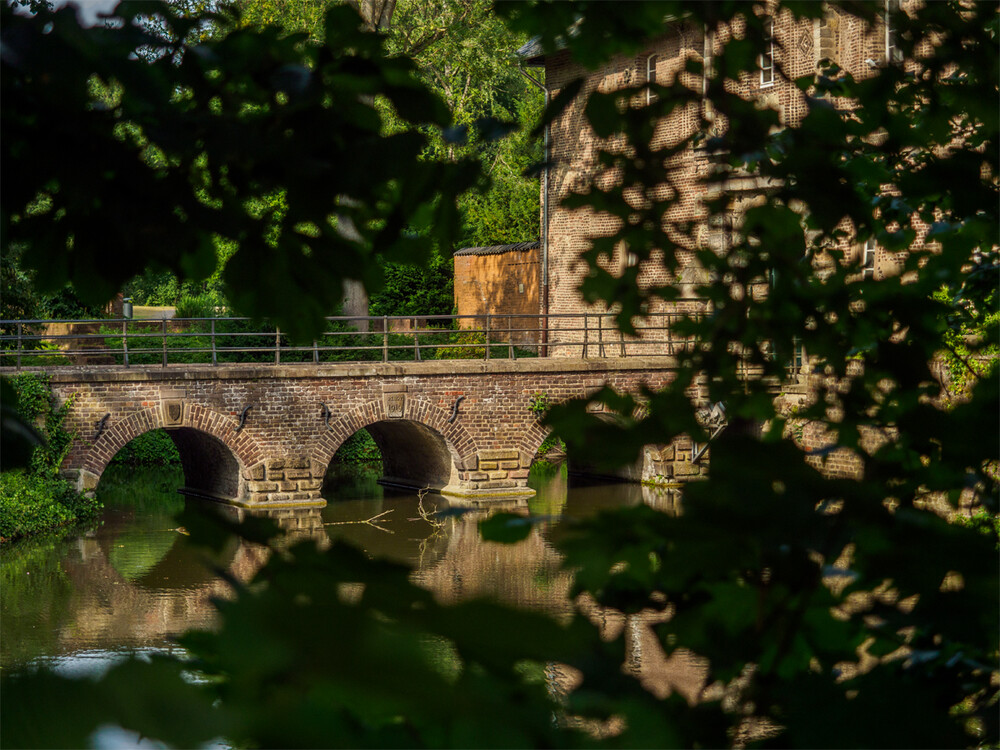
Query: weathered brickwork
[(463, 426), (853, 44)]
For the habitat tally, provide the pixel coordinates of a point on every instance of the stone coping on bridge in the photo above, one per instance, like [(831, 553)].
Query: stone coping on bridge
[(256, 371)]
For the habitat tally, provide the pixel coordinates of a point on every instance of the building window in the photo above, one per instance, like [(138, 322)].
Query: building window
[(766, 60), (868, 259), (651, 76), (893, 54)]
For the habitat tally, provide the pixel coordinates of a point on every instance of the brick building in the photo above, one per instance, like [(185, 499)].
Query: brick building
[(795, 50)]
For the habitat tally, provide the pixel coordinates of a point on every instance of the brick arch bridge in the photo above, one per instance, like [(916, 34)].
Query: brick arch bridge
[(263, 435)]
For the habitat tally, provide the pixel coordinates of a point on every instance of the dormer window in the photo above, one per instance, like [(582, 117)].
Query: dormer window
[(766, 60), (651, 76)]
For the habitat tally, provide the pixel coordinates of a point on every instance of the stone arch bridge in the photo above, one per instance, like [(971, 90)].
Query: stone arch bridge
[(262, 436)]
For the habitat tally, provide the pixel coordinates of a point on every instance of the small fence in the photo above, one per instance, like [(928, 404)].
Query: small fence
[(219, 341)]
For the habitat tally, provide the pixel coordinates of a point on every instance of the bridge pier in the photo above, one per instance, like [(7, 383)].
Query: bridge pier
[(283, 482), (492, 474)]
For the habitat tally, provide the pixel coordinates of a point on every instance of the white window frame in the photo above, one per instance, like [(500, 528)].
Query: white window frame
[(766, 59), (651, 61), (893, 54), (868, 257)]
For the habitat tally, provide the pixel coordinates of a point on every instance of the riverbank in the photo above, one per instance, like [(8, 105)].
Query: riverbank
[(30, 504)]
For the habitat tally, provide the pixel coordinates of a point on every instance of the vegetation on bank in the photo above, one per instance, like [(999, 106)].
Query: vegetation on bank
[(36, 498)]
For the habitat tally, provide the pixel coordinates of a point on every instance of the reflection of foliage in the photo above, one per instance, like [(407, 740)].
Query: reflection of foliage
[(36, 593), (148, 489)]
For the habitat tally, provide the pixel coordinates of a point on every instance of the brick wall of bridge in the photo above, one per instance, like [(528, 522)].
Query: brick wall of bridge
[(281, 453)]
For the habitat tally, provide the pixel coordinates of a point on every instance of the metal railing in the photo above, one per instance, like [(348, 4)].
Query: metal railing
[(219, 341)]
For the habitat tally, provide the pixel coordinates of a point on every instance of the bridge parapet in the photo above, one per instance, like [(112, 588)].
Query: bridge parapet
[(264, 436)]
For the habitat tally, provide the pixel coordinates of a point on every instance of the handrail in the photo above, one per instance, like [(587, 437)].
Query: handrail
[(127, 343)]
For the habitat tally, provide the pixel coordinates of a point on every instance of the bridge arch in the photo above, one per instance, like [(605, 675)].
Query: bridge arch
[(214, 455), (420, 447), (633, 472)]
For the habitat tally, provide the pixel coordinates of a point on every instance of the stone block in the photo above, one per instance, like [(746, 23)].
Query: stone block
[(519, 474), (288, 486), (299, 463), (667, 453), (478, 476), (498, 454), (686, 469), (257, 472), (493, 475), (297, 473), (276, 464), (525, 459), (278, 497), (488, 465), (275, 475), (263, 486), (509, 464), (498, 484), (310, 484)]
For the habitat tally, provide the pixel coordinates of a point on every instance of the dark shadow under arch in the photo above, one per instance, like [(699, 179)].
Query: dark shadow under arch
[(210, 468), (414, 456)]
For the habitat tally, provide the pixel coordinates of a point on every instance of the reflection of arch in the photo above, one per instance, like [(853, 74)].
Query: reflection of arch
[(420, 448), (212, 453)]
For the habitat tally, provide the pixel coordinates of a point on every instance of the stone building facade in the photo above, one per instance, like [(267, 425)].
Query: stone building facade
[(797, 47)]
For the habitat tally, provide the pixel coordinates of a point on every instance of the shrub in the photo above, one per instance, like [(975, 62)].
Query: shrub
[(30, 503)]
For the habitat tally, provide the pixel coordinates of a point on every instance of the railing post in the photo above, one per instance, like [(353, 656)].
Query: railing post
[(670, 328), (621, 341), (586, 342), (487, 335), (510, 338), (385, 338), (125, 341), (600, 336), (416, 344), (215, 359), (163, 339), (19, 345), (315, 352), (277, 345)]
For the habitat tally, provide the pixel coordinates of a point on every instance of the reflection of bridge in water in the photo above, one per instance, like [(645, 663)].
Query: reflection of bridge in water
[(143, 599)]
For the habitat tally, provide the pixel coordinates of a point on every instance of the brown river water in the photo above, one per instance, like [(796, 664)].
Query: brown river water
[(132, 581)]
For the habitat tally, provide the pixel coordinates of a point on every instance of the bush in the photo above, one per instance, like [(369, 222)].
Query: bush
[(149, 449), (359, 448), (30, 503)]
